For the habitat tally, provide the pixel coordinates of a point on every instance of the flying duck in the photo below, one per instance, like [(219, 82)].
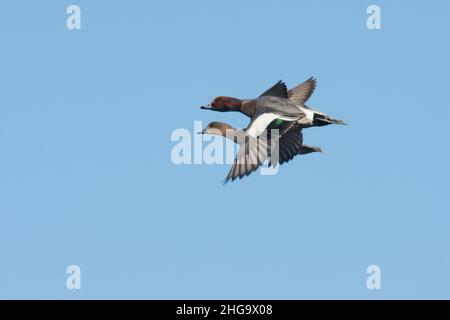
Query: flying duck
[(253, 151), (276, 103)]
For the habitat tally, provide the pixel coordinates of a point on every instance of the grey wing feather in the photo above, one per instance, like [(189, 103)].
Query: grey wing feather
[(277, 90), (301, 93), (283, 107), (252, 153), (290, 144)]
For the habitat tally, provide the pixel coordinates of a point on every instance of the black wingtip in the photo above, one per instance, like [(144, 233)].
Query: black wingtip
[(314, 80)]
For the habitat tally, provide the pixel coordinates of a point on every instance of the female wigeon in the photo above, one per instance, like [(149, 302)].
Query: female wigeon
[(277, 148), (276, 104)]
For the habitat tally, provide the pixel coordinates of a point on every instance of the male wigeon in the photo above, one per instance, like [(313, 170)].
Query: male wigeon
[(278, 105), (253, 151)]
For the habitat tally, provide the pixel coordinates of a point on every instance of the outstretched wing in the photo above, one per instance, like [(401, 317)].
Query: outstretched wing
[(278, 90), (279, 144), (289, 142), (253, 151), (301, 93)]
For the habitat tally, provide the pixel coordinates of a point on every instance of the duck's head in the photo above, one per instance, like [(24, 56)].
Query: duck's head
[(224, 104), (217, 128)]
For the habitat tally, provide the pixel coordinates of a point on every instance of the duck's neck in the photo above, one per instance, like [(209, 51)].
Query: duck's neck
[(248, 107), (234, 104), (229, 133)]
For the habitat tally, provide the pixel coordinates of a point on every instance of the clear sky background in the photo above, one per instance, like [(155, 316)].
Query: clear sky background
[(86, 176)]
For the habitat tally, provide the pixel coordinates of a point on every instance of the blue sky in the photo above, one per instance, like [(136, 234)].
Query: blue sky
[(86, 176)]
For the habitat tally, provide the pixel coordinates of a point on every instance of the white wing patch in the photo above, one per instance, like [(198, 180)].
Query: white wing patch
[(261, 123), (309, 115)]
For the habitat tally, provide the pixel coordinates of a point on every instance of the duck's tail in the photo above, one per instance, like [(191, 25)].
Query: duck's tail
[(321, 120), (306, 149)]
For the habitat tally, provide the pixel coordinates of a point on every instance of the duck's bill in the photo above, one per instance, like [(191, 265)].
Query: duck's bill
[(208, 107), (202, 132)]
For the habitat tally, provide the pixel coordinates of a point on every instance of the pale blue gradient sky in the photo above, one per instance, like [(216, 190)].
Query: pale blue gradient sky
[(86, 176)]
